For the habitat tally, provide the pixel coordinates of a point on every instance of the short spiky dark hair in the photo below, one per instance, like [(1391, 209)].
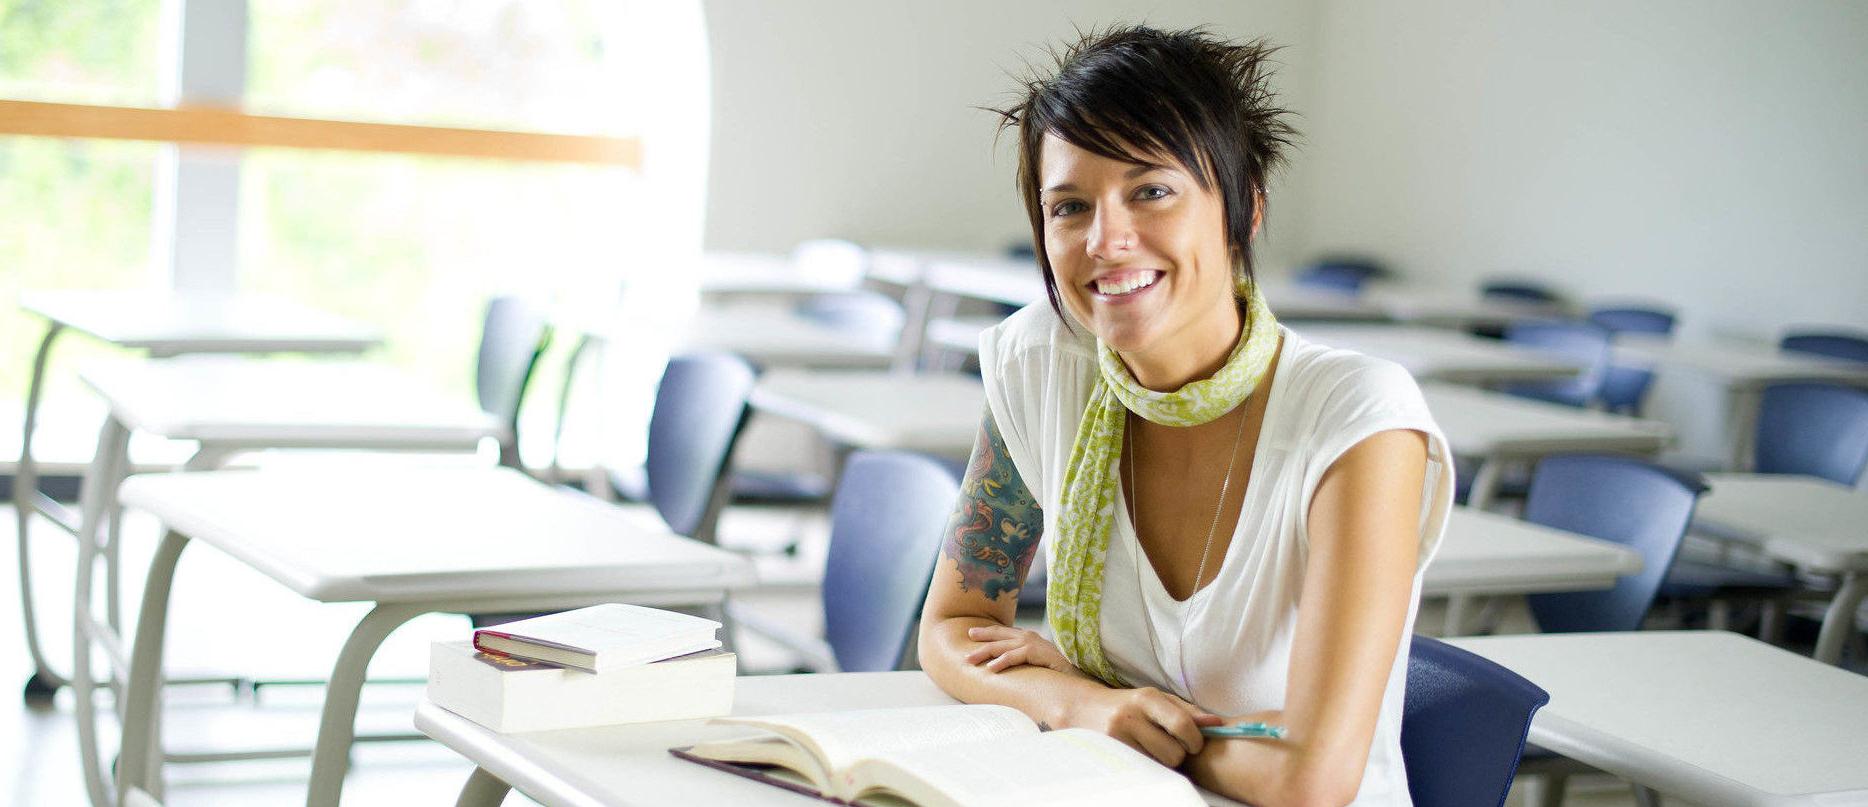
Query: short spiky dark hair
[(1129, 92)]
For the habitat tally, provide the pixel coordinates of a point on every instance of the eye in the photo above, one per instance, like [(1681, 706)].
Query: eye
[(1150, 192), (1066, 208)]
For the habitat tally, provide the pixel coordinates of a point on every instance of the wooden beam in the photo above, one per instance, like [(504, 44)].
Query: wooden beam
[(226, 127)]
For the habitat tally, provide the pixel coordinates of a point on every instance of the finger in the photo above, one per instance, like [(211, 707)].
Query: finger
[(1010, 659), (1200, 716), (1172, 715), (1156, 743), (986, 651), (988, 633)]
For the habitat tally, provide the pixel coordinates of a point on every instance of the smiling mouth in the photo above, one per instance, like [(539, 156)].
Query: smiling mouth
[(1126, 283)]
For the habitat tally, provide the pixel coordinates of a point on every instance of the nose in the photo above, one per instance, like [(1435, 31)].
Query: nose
[(1112, 233)]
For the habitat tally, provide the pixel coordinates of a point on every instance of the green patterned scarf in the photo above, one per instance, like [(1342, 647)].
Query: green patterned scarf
[(1074, 593)]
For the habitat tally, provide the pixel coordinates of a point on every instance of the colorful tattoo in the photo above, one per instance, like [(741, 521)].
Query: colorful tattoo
[(993, 535)]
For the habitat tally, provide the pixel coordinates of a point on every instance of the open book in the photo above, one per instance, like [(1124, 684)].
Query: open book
[(944, 755)]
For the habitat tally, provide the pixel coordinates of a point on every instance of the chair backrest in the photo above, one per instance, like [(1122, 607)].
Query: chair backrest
[(1623, 388), (1518, 291), (1834, 345), (513, 335), (1815, 429), (1340, 274), (1580, 342), (885, 533), (868, 316), (1463, 725), (1632, 502), (1633, 320), (700, 409)]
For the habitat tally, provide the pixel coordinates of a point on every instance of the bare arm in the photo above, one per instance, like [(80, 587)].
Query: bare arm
[(967, 619), (1363, 526), (989, 545)]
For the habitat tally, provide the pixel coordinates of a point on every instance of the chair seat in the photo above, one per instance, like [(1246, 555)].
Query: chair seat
[(1696, 579)]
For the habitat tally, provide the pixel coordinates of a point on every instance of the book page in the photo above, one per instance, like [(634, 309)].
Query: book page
[(840, 739), (1066, 767)]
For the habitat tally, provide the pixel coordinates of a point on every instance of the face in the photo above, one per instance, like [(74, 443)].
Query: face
[(1139, 252)]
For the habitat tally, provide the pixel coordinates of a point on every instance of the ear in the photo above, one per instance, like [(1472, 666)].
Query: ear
[(1258, 211)]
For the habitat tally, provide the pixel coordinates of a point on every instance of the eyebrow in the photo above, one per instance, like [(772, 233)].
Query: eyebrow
[(1138, 170)]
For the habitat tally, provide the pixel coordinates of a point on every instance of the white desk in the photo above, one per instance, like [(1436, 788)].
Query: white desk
[(161, 324), (1000, 280), (1434, 354), (937, 414), (412, 541), (749, 274), (1713, 718), (620, 766), (1813, 523), (777, 336), (1488, 554), (1450, 308), (1723, 424), (1506, 429)]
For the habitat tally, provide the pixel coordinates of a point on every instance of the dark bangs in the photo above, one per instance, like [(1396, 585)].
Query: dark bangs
[(1141, 95)]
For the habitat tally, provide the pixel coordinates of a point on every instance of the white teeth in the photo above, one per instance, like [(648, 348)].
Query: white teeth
[(1134, 282)]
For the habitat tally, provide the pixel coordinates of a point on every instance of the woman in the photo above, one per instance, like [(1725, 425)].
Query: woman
[(1237, 517)]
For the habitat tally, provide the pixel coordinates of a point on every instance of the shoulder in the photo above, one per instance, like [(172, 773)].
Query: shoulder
[(1341, 387), (1035, 329)]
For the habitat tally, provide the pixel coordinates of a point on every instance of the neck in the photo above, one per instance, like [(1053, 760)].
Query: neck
[(1195, 353)]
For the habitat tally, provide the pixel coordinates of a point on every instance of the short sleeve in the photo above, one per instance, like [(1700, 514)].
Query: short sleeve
[(1006, 356), (1370, 396), (1037, 375)]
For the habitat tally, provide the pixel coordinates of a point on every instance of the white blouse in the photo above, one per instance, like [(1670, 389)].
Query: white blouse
[(1227, 647)]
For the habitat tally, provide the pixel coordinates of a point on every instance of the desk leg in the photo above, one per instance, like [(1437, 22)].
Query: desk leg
[(330, 759), (44, 681), (1839, 622), (1485, 483), (139, 763), (483, 789), (1741, 412)]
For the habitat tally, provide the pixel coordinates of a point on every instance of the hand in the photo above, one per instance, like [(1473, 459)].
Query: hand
[(1149, 720), (1006, 647)]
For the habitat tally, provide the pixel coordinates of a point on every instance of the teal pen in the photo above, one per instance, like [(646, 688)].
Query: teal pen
[(1250, 730)]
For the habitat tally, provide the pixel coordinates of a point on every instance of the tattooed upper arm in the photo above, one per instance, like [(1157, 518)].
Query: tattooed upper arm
[(993, 534)]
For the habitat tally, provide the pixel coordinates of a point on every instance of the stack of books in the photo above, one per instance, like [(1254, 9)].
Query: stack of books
[(596, 666)]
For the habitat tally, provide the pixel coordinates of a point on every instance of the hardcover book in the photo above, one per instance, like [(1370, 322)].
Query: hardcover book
[(601, 637), (943, 756)]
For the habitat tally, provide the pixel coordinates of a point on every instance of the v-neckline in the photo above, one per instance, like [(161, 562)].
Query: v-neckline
[(1139, 553)]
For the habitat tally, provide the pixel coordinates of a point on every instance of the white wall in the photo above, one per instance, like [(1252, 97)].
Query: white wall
[(857, 119), (1710, 153)]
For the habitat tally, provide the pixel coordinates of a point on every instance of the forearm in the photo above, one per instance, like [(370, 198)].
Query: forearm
[(1272, 773), (1043, 694)]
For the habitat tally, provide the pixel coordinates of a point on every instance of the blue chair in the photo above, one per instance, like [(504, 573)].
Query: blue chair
[(1463, 725), (513, 335), (700, 410), (1629, 501), (1581, 342), (1623, 387), (868, 316), (1519, 291), (885, 534), (1814, 429), (1853, 347), (1345, 275)]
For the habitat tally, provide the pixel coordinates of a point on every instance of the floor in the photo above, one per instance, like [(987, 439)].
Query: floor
[(273, 635)]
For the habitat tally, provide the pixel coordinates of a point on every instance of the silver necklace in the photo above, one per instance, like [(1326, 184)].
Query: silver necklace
[(1128, 444)]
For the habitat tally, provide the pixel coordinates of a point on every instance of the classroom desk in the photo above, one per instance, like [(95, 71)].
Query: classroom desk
[(412, 541), (1450, 308), (1505, 430), (772, 335), (1485, 555), (750, 274), (159, 324), (1713, 718), (935, 414), (1435, 354), (1813, 523), (1724, 423), (622, 766)]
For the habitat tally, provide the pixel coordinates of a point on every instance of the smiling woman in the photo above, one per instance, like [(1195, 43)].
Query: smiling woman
[(1238, 517)]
